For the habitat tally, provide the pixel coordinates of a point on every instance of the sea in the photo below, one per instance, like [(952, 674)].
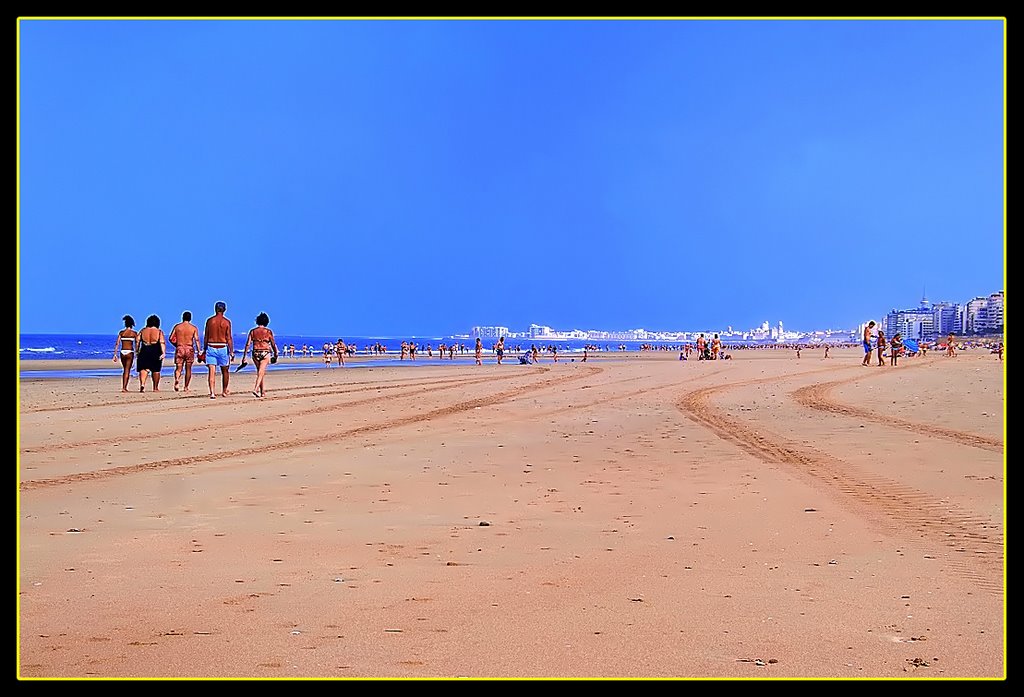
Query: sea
[(101, 347)]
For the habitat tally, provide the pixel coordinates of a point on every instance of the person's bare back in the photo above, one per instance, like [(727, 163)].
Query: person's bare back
[(218, 330), (183, 334)]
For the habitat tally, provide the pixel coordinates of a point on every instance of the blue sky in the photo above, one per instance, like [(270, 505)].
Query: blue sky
[(394, 177)]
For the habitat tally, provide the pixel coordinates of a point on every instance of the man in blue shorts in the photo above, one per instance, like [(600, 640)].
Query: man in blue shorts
[(867, 343), (218, 348)]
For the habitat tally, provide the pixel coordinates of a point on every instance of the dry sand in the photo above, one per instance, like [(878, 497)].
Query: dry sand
[(765, 517)]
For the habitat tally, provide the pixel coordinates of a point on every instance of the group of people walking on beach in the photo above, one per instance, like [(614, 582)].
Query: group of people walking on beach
[(216, 350)]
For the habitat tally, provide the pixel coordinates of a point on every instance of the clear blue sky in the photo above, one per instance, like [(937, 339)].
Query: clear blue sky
[(421, 177)]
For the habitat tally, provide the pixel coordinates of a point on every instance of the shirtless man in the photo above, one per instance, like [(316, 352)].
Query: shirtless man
[(479, 351), (218, 348), (185, 338), (867, 342), (499, 348), (700, 347)]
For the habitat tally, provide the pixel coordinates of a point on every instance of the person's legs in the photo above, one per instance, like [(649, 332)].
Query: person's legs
[(143, 374), (156, 381), (213, 378), (177, 372), (188, 375), (126, 364), (225, 372), (261, 371)]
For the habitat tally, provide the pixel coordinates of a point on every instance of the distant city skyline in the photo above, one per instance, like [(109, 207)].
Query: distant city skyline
[(980, 314)]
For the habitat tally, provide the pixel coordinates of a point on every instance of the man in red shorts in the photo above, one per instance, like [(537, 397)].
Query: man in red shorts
[(185, 338)]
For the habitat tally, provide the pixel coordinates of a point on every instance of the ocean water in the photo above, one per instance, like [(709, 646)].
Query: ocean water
[(101, 347)]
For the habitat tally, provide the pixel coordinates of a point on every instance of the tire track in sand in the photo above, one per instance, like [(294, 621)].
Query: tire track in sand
[(974, 543), (450, 410), (818, 397), (195, 400), (430, 387)]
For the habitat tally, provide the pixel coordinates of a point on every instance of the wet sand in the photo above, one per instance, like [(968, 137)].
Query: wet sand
[(631, 516)]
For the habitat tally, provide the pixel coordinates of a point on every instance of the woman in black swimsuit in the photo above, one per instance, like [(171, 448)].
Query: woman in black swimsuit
[(124, 349), (264, 350), (152, 347)]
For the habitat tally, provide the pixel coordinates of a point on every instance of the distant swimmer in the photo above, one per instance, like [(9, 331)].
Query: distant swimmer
[(124, 349)]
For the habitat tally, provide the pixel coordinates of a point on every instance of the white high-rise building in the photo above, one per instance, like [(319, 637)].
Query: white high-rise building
[(976, 315), (995, 312), (945, 318)]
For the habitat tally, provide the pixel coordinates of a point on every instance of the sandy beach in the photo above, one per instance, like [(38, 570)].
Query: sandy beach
[(633, 516)]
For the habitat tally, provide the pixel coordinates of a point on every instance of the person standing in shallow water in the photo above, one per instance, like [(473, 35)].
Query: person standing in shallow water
[(479, 351), (124, 349)]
